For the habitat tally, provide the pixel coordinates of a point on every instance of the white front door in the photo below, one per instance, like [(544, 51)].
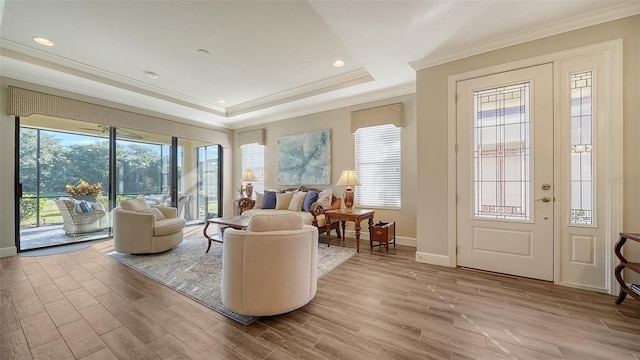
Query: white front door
[(505, 183)]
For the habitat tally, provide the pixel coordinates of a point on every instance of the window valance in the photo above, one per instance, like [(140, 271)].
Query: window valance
[(381, 115), (252, 136), (24, 102)]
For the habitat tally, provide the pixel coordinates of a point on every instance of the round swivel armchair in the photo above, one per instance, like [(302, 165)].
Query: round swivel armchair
[(271, 267)]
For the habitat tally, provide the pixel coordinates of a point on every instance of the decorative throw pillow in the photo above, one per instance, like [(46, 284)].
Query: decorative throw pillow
[(283, 200), (85, 206), (297, 201), (324, 198), (155, 212), (259, 200), (269, 200), (312, 196)]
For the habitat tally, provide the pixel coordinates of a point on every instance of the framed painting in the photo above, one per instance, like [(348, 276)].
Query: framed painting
[(305, 159)]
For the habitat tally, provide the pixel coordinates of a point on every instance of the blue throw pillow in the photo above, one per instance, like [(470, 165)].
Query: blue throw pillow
[(312, 196), (269, 200), (85, 206)]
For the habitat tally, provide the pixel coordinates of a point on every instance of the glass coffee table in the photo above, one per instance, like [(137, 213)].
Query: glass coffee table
[(235, 222)]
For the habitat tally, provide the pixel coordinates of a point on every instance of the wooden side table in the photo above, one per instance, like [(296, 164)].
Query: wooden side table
[(383, 234), (354, 215), (624, 263)]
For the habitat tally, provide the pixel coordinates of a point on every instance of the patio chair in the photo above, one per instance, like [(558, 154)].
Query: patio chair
[(78, 222)]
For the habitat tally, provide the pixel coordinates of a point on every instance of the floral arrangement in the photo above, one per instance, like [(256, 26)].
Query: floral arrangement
[(84, 188), (241, 190)]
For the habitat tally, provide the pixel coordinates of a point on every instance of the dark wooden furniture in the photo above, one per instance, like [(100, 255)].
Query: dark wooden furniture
[(624, 263), (383, 234), (353, 215), (236, 222)]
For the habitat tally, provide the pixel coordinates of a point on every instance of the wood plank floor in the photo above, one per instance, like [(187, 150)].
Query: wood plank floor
[(84, 305)]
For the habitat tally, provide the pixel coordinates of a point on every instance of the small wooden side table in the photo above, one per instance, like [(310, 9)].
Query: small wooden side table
[(354, 215), (382, 234), (624, 263)]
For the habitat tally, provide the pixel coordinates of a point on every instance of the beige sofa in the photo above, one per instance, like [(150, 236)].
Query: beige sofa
[(315, 216), (141, 229), (271, 267)]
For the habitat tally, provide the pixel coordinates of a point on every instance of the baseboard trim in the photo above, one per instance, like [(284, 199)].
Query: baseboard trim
[(400, 240), (583, 287), (433, 259), (8, 251)]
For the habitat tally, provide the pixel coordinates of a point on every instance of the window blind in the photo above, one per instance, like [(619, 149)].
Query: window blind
[(378, 166), (253, 158)]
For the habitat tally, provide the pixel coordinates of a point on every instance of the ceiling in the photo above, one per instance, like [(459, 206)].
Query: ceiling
[(232, 64)]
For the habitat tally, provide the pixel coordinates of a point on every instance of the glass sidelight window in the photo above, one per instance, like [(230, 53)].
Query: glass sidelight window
[(581, 149), (502, 149)]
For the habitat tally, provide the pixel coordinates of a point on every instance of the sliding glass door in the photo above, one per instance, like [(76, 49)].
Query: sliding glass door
[(209, 166), (59, 169), (64, 162)]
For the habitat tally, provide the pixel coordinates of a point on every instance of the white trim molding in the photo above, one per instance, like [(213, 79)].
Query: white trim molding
[(433, 259), (8, 251), (594, 18), (400, 240)]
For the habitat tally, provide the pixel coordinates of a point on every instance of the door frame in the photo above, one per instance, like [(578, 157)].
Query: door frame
[(614, 189)]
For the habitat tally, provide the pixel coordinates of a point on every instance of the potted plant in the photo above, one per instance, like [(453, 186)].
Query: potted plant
[(85, 191)]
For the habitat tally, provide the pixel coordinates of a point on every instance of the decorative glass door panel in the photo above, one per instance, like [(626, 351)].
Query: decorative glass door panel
[(502, 153), (581, 149)]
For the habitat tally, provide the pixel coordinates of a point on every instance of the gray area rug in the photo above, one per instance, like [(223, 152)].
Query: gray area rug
[(55, 250), (184, 268)]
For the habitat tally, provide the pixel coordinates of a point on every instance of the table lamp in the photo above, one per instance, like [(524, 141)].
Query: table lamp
[(348, 178), (249, 176)]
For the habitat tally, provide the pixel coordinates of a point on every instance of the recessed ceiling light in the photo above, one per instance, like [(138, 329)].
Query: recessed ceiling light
[(203, 52), (222, 102), (151, 75), (338, 63), (42, 41)]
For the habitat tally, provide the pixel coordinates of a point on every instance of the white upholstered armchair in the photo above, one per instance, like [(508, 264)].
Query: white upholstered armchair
[(141, 229), (271, 267)]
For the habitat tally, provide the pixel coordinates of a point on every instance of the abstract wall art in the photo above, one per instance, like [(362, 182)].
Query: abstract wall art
[(305, 159)]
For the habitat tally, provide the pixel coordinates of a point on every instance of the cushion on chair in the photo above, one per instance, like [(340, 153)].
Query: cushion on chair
[(269, 200), (283, 200), (262, 223), (259, 200), (85, 206), (134, 205), (155, 212), (312, 196), (169, 226), (297, 201), (324, 198)]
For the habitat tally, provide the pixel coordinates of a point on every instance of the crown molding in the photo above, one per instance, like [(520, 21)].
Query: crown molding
[(331, 104), (333, 83), (43, 59), (593, 18), (46, 60)]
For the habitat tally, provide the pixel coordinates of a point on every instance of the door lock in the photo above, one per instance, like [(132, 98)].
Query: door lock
[(546, 186)]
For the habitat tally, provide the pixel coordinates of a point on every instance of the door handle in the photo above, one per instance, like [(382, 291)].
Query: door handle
[(544, 199)]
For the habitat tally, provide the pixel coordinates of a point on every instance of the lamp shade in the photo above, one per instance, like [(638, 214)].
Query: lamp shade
[(249, 175), (348, 178)]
